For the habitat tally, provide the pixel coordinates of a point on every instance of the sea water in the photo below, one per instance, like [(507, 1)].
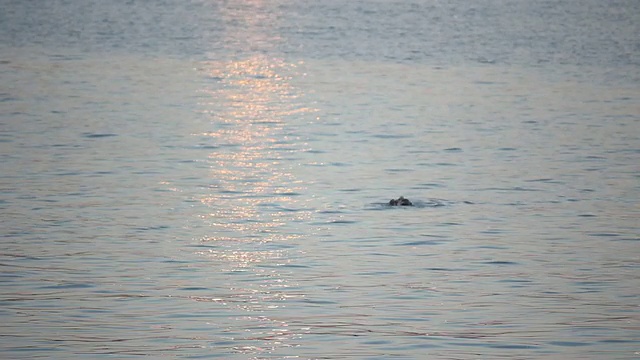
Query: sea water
[(210, 179)]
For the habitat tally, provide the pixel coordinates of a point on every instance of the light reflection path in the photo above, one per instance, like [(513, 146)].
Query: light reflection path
[(254, 200)]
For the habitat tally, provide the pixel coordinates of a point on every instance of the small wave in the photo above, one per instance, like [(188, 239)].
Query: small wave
[(98, 135)]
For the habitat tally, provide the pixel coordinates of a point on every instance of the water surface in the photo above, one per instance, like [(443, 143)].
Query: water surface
[(208, 180)]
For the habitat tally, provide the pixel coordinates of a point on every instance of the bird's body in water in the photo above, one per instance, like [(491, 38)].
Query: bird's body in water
[(401, 201)]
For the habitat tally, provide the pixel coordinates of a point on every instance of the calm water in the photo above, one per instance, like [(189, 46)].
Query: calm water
[(207, 179)]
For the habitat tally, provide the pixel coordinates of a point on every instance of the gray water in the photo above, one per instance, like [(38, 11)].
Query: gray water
[(209, 179)]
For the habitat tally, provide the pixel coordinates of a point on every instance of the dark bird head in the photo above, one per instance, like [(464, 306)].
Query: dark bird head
[(401, 201)]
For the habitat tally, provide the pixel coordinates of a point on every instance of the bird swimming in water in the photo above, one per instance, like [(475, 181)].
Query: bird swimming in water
[(401, 201)]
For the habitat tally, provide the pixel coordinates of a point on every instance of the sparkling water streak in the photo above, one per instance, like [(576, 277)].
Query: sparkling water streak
[(255, 201)]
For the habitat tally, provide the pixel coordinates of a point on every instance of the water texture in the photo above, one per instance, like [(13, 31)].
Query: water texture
[(210, 179)]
